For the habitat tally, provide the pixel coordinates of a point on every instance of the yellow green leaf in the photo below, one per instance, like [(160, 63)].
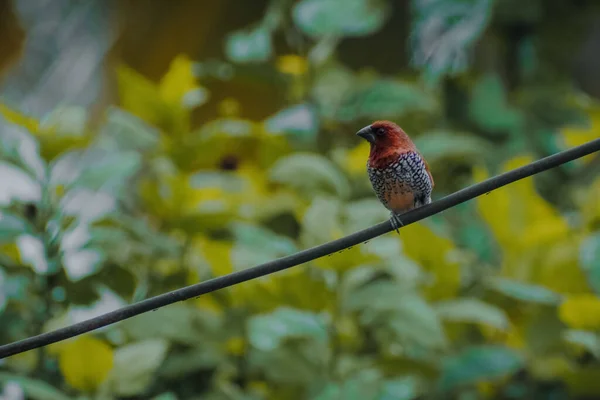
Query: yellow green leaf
[(178, 80), (581, 311), (517, 215), (292, 64), (355, 161), (18, 118), (576, 135), (86, 362), (418, 240)]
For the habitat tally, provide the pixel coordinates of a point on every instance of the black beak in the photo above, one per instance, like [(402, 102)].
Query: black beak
[(367, 134)]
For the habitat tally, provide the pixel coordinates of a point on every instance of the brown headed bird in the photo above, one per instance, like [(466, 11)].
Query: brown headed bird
[(399, 174)]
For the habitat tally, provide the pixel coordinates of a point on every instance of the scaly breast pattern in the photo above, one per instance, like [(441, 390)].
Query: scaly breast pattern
[(403, 184)]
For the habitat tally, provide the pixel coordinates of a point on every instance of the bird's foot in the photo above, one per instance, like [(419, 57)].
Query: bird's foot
[(396, 222)]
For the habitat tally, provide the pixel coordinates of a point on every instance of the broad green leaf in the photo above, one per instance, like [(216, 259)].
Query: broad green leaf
[(266, 332), (411, 319), (65, 121), (166, 396), (81, 263), (300, 362), (179, 323), (444, 32), (16, 184), (363, 386), (87, 205), (34, 389), (580, 311), (110, 171), (363, 213), (20, 148), (399, 389), (135, 365), (310, 174), (489, 109), (387, 98), (249, 46), (3, 291), (589, 259), (321, 221), (85, 362), (482, 363), (523, 291), (441, 145), (332, 87), (33, 253), (299, 121), (472, 310), (415, 322), (12, 226), (586, 339), (255, 245), (128, 131), (319, 18)]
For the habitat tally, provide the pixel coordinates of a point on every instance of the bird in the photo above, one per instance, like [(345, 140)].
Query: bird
[(399, 174)]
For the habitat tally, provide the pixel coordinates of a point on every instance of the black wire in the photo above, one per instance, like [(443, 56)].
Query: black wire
[(298, 258)]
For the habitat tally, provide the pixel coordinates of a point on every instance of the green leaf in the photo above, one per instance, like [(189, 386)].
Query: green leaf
[(128, 132), (12, 226), (33, 253), (415, 322), (3, 291), (321, 221), (489, 109), (441, 145), (586, 339), (299, 121), (267, 331), (478, 364), (179, 323), (365, 385), (333, 85), (589, 259), (165, 396), (412, 320), (135, 365), (399, 389), (65, 121), (255, 245), (110, 171), (524, 291), (34, 389), (310, 174), (444, 32), (299, 362), (387, 98), (249, 46), (363, 213), (319, 18), (19, 148), (472, 310)]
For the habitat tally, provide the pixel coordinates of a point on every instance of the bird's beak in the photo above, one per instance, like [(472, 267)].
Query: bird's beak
[(367, 134)]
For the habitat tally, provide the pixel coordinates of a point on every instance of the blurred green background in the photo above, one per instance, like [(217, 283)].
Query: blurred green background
[(149, 145)]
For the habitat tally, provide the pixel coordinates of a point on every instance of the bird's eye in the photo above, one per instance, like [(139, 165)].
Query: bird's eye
[(380, 131)]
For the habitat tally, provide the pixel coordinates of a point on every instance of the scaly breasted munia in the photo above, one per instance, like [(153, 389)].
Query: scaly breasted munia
[(399, 174)]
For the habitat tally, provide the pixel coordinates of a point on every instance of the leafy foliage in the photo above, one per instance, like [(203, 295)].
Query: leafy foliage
[(497, 298)]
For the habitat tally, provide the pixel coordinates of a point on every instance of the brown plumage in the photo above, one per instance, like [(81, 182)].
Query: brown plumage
[(399, 174)]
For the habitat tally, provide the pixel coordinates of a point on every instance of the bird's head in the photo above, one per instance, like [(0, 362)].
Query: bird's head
[(385, 138)]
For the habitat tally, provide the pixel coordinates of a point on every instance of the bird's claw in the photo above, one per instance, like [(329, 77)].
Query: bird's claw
[(396, 222)]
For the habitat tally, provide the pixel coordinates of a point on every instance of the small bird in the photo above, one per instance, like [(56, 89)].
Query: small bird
[(399, 174)]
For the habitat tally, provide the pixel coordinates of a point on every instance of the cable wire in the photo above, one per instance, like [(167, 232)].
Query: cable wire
[(301, 257)]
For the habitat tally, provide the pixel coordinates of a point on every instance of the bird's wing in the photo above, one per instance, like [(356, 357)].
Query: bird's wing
[(428, 171)]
